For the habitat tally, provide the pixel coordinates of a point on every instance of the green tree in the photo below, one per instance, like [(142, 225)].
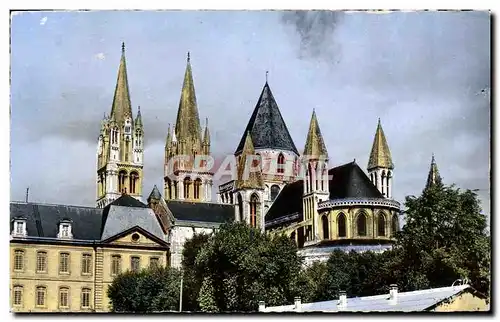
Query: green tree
[(193, 276), (444, 239), (149, 290), (242, 266)]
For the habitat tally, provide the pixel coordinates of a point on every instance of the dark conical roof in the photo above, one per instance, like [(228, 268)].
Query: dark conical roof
[(266, 126), (349, 181), (155, 194)]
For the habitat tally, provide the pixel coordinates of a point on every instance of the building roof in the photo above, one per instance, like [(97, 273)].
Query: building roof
[(380, 156), (266, 126), (315, 145), (200, 211), (91, 224), (248, 179), (415, 301), (349, 181), (289, 201)]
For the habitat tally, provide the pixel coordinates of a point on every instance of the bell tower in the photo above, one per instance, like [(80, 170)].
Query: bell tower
[(120, 147), (380, 166)]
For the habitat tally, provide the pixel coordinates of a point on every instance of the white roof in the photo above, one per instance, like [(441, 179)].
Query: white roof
[(406, 302)]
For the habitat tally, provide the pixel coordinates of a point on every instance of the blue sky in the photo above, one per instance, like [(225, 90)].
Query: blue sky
[(426, 75)]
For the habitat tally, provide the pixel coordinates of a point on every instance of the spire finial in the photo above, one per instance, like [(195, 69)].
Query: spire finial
[(189, 57), (267, 72), (139, 108), (379, 120), (123, 47), (206, 121)]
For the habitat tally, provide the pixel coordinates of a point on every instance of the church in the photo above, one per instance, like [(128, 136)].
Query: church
[(64, 257)]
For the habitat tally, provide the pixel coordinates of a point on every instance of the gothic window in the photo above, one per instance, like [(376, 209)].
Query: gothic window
[(197, 186), (323, 179), (381, 224), (169, 188), (395, 224), (122, 175), (281, 163), (254, 203), (231, 198), (341, 230), (275, 190), (317, 179), (134, 178), (126, 152), (309, 170), (324, 221), (187, 183), (361, 224), (175, 194), (240, 208), (383, 181)]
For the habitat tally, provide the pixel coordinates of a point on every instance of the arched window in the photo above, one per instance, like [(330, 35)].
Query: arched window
[(341, 231), (275, 190), (254, 202), (197, 185), (122, 176), (134, 177), (126, 152), (169, 188), (389, 176), (382, 183), (316, 168), (307, 180), (381, 224), (324, 178), (292, 236), (231, 198), (240, 208), (324, 221), (395, 224), (175, 194), (361, 224), (281, 163), (187, 183), (309, 169)]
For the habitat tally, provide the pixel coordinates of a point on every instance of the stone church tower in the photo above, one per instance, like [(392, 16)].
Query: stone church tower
[(120, 148), (380, 166), (186, 173)]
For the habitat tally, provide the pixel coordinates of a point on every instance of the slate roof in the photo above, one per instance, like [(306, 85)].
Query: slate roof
[(201, 212), (88, 223), (349, 181), (266, 125), (346, 181), (415, 301), (289, 201)]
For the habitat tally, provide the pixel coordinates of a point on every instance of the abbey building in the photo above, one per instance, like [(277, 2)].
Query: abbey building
[(63, 257)]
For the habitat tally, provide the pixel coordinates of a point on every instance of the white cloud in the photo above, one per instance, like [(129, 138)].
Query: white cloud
[(100, 56), (43, 21)]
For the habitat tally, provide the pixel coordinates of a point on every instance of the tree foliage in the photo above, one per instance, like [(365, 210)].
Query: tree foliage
[(241, 266), (149, 290)]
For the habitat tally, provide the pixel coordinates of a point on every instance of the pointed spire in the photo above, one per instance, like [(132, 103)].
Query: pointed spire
[(121, 106), (380, 156), (206, 136), (138, 119), (315, 146), (155, 194), (187, 127), (169, 137), (254, 178), (433, 178)]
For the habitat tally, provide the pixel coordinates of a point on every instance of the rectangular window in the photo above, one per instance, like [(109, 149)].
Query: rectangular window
[(116, 264), (19, 227), (19, 260), (154, 262), (18, 295), (86, 264), (65, 230), (135, 263), (85, 298), (41, 262), (64, 263), (40, 295), (64, 297)]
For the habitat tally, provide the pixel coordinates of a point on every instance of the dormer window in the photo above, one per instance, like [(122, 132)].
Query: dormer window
[(19, 229), (65, 229)]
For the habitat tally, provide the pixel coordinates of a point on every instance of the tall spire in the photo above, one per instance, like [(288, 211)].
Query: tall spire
[(169, 137), (433, 178), (187, 127), (138, 119), (380, 157), (206, 136), (254, 178), (315, 146), (121, 106)]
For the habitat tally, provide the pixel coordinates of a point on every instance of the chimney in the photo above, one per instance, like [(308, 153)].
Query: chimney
[(262, 306), (342, 300), (393, 294), (298, 304)]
